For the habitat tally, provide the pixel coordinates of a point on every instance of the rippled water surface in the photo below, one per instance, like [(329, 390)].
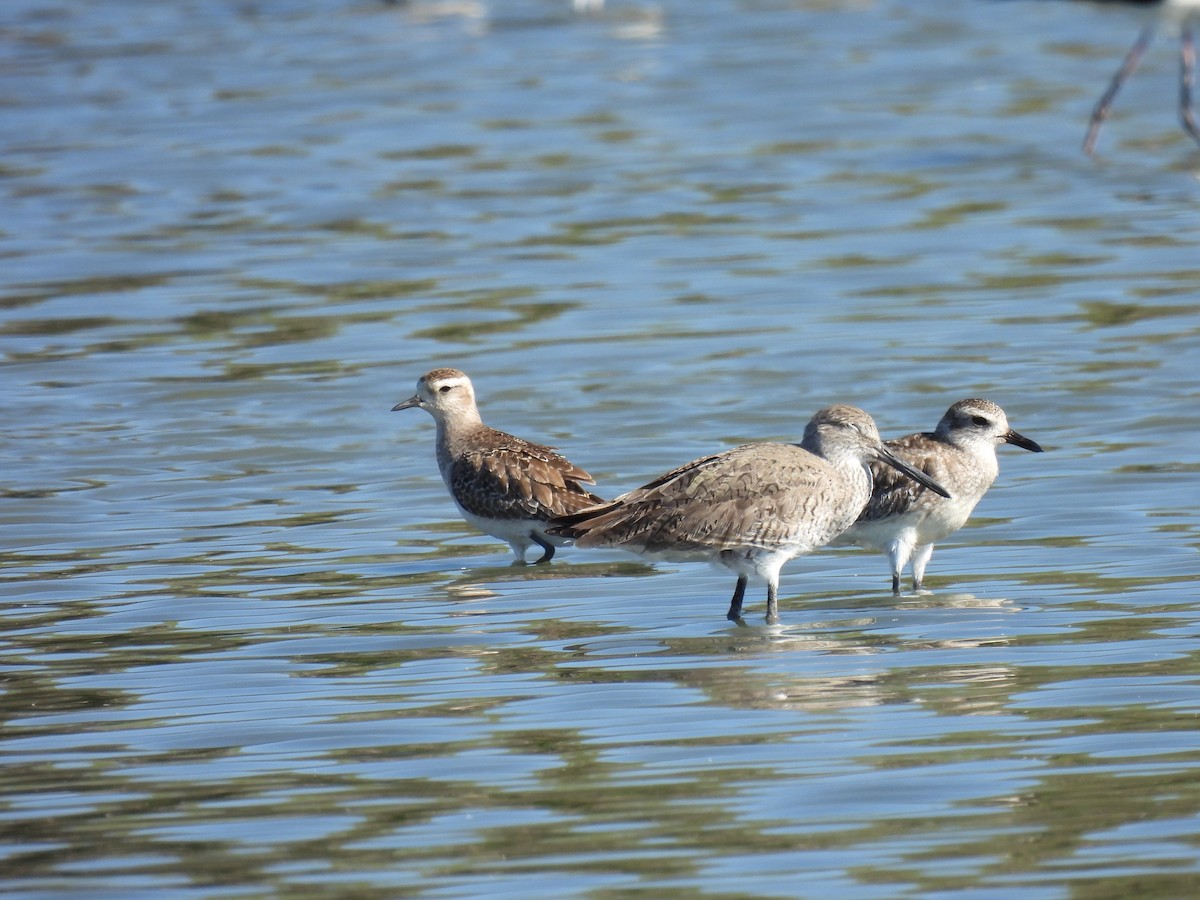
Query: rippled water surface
[(249, 649)]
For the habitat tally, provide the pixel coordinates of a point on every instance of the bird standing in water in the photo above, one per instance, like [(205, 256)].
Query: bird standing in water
[(905, 521), (504, 486), (752, 508)]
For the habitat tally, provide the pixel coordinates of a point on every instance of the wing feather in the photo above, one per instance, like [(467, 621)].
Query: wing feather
[(750, 497), (506, 477), (894, 493)]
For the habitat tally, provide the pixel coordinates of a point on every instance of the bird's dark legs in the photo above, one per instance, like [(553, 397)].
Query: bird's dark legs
[(1187, 77), (735, 604), (545, 545), (739, 592), (772, 603), (895, 584), (1103, 106)]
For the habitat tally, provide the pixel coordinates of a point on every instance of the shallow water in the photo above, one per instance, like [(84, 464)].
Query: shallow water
[(250, 650)]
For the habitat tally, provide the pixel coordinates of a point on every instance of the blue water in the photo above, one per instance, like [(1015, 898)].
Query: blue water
[(248, 647)]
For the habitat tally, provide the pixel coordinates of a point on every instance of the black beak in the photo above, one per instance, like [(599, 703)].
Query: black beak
[(887, 456), (1019, 440), (412, 401)]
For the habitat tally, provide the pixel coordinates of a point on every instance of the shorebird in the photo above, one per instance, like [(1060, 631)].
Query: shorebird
[(504, 486), (1182, 12), (905, 521), (752, 508)]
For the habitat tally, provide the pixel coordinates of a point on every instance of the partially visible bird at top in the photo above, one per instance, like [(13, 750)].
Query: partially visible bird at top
[(503, 485), (1182, 13), (904, 520)]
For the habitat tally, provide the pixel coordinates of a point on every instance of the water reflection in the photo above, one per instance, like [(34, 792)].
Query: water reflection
[(247, 645)]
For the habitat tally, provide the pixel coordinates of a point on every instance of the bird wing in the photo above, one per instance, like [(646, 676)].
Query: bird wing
[(516, 479), (894, 493), (748, 497)]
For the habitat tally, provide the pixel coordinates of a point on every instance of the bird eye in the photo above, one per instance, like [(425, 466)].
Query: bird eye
[(444, 389), (980, 421)]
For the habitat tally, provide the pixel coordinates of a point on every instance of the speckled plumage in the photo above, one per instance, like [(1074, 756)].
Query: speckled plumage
[(749, 509), (503, 485), (904, 520)]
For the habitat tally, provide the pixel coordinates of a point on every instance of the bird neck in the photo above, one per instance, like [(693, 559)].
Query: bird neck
[(852, 470), (456, 429)]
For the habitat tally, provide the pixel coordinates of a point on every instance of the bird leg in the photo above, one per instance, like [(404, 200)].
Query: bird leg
[(1103, 106), (1187, 77), (919, 560), (545, 545), (899, 552), (735, 604), (772, 602)]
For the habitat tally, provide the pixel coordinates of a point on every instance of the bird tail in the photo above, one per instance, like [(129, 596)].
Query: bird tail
[(577, 524)]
